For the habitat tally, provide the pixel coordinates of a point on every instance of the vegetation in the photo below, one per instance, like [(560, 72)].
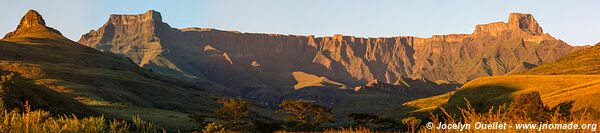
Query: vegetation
[(362, 119), (503, 114), (305, 116), (5, 84), (43, 121), (27, 120), (530, 105), (412, 123), (553, 89), (232, 112), (582, 62)]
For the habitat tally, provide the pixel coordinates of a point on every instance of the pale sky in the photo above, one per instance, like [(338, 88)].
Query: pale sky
[(576, 21)]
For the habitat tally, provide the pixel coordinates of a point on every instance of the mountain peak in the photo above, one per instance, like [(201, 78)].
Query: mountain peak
[(525, 22), (155, 15), (31, 19), (519, 25), (149, 16), (32, 22)]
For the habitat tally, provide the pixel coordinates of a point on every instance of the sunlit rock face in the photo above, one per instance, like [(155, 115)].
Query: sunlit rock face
[(261, 65)]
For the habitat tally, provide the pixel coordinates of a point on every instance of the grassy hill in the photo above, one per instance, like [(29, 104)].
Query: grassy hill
[(583, 62), (554, 89), (62, 76), (573, 77)]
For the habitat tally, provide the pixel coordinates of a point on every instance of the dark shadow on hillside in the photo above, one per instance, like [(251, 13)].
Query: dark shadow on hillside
[(22, 90), (481, 98)]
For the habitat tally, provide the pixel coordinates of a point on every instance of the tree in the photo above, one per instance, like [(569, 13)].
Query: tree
[(309, 115), (233, 111), (362, 119)]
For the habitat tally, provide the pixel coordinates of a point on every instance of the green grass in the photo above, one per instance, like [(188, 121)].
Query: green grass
[(65, 77)]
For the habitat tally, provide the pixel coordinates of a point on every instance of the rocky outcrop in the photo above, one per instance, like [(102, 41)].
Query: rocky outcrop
[(261, 65), (31, 23), (408, 87), (135, 36)]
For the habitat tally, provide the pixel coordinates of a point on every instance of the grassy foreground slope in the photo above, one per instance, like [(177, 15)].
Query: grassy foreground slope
[(65, 77), (573, 77), (554, 89)]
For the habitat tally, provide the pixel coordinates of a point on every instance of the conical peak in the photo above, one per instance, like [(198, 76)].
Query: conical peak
[(525, 22), (32, 22), (31, 19)]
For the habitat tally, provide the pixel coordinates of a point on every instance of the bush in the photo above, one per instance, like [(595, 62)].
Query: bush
[(529, 105)]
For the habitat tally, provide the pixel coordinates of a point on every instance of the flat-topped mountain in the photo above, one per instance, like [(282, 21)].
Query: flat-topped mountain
[(261, 66)]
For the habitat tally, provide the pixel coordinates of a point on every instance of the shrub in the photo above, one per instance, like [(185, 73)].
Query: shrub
[(529, 105)]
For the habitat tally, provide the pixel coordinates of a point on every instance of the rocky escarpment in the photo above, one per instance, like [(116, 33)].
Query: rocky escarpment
[(135, 36), (260, 66)]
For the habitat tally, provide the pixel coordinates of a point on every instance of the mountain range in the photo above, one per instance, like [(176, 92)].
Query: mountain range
[(139, 65), (271, 67)]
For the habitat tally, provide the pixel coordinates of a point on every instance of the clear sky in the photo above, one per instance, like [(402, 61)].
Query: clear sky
[(574, 21)]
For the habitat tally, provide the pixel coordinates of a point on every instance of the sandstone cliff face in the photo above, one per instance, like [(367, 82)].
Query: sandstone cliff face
[(260, 65), (135, 36)]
